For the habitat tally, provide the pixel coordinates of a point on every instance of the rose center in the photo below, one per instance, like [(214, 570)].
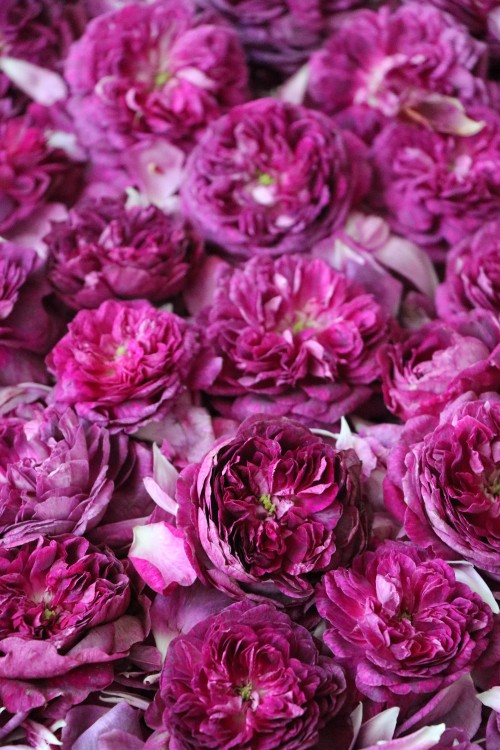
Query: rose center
[(268, 504), (264, 178), (405, 615), (245, 691), (120, 351), (162, 78)]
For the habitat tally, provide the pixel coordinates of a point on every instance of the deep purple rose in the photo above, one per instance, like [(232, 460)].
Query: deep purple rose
[(153, 69), (106, 251), (296, 338), (249, 678), (270, 509), (481, 17), (25, 321), (452, 484), (437, 188), (40, 31), (424, 370), (126, 363), (272, 178), (280, 35), (391, 60), (32, 171), (60, 474), (62, 622), (35, 32), (402, 622), (472, 274)]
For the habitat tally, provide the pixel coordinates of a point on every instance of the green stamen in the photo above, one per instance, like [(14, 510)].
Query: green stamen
[(302, 325), (266, 501), (48, 614), (162, 78), (245, 691), (120, 351), (265, 179)]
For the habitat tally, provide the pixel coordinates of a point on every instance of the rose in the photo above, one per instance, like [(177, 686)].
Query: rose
[(252, 196), (247, 677), (402, 622), (62, 622), (126, 363), (63, 475), (451, 484), (153, 69), (390, 60), (472, 274), (296, 338), (106, 251), (437, 188), (269, 509)]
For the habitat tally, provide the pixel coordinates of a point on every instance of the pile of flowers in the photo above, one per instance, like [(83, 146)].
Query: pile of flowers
[(249, 375)]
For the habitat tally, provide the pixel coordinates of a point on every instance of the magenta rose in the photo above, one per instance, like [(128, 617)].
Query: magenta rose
[(452, 484), (438, 188), (25, 321), (153, 69), (279, 36), (427, 368), (126, 363), (33, 171), (296, 338), (62, 622), (472, 274), (271, 508), (107, 251), (272, 178), (402, 622), (249, 678), (60, 475), (390, 60)]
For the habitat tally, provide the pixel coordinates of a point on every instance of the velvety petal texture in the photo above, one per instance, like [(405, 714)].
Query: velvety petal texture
[(125, 363), (153, 69), (272, 178), (249, 678), (295, 337), (108, 251), (402, 622), (268, 510)]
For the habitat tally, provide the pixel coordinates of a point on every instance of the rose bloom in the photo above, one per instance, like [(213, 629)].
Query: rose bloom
[(59, 474), (107, 251), (249, 678), (25, 321), (33, 172), (126, 363), (61, 624), (481, 17), (438, 188), (427, 368), (452, 484), (153, 68), (472, 278), (269, 509), (296, 338), (40, 31), (402, 622), (389, 60), (273, 178), (282, 34)]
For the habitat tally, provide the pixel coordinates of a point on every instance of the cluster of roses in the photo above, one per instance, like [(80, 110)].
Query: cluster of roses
[(249, 375)]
